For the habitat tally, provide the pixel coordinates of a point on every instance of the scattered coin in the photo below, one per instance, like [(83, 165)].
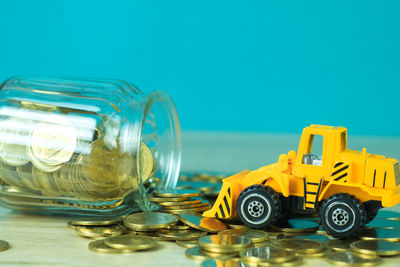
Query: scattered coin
[(315, 237), (133, 242), (348, 258), (187, 243), (176, 193), (379, 234), (197, 221), (99, 231), (100, 247), (301, 246), (295, 226), (295, 262), (376, 247), (178, 226), (255, 236), (237, 226), (269, 253), (180, 234), (196, 253), (339, 245), (147, 221), (224, 243), (4, 245), (191, 201), (384, 223), (223, 263), (96, 221)]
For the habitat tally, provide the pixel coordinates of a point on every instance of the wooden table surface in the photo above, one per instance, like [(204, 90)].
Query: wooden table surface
[(40, 240)]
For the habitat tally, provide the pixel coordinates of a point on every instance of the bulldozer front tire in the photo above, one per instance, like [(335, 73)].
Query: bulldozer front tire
[(258, 206), (342, 215)]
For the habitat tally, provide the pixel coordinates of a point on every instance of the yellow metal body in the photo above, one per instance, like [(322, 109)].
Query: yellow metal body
[(338, 170)]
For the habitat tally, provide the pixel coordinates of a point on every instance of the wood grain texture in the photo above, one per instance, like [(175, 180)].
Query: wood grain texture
[(38, 240)]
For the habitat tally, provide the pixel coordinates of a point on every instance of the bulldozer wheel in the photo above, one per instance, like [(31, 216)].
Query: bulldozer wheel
[(342, 215), (258, 206)]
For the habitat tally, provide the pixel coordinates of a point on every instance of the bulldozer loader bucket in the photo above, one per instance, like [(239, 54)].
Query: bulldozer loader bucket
[(225, 205)]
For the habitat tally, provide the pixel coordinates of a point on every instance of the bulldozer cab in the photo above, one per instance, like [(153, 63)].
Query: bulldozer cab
[(319, 146)]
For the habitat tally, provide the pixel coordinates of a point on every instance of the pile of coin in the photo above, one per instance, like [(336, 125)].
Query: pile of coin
[(52, 157)]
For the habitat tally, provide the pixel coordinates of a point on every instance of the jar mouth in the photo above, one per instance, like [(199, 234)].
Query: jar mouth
[(160, 131)]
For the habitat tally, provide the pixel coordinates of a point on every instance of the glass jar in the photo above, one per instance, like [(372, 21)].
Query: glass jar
[(85, 146)]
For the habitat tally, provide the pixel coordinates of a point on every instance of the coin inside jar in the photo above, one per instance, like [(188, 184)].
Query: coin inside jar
[(376, 247), (12, 146), (146, 221), (224, 243), (135, 242), (53, 141), (197, 221), (256, 236), (268, 253)]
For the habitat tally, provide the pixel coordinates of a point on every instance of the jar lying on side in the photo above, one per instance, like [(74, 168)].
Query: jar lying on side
[(84, 146)]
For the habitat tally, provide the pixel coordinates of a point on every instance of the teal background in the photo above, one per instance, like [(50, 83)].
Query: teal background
[(268, 66)]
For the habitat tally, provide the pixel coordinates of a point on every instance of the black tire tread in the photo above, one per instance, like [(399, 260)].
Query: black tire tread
[(276, 205), (358, 205)]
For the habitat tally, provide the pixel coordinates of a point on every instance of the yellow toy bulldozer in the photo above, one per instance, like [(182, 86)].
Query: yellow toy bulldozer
[(346, 187)]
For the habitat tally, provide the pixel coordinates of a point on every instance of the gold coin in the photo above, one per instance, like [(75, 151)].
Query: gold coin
[(383, 223), (180, 234), (192, 201), (237, 226), (53, 141), (99, 231), (96, 221), (296, 261), (339, 245), (14, 132), (187, 243), (147, 221), (196, 253), (348, 258), (197, 221), (192, 206), (376, 247), (70, 225), (191, 210), (100, 247), (302, 246), (136, 242), (178, 226), (269, 253), (169, 199), (146, 161), (256, 236), (223, 263), (315, 237), (176, 193), (224, 243), (295, 226), (380, 234), (4, 245)]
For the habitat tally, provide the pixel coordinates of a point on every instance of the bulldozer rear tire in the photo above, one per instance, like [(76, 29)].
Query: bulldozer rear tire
[(258, 206), (342, 215)]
